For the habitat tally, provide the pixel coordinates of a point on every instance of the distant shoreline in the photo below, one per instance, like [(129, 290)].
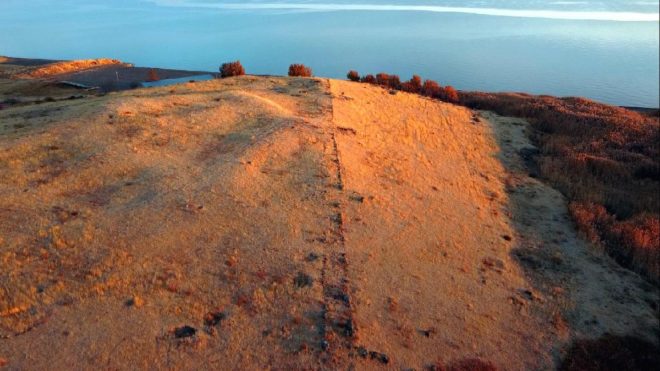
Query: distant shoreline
[(116, 78)]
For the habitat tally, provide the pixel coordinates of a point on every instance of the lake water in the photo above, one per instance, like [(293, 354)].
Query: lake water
[(605, 50)]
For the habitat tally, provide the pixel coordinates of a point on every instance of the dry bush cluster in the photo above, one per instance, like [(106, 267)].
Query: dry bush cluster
[(232, 69), (299, 70), (428, 88), (605, 160)]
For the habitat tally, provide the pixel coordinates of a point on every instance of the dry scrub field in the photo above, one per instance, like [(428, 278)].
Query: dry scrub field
[(290, 223)]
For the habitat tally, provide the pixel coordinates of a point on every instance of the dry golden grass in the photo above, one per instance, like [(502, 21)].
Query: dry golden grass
[(69, 66), (261, 222)]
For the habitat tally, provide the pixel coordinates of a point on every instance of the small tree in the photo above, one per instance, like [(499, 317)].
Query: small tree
[(353, 76), (232, 69), (299, 70), (369, 79), (153, 75)]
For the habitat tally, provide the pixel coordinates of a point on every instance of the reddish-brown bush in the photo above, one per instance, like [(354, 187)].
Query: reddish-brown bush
[(449, 94), (394, 82), (383, 79), (415, 84), (353, 76), (431, 89), (232, 69), (369, 79), (605, 160), (299, 70)]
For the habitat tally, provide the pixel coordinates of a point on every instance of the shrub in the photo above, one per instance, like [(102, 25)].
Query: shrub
[(300, 70), (232, 69), (353, 76), (415, 84), (153, 75), (431, 89), (383, 79), (394, 82), (369, 79), (449, 94)]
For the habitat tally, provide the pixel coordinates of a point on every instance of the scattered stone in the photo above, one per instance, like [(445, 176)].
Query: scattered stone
[(312, 257), (348, 328), (3, 362), (184, 332), (347, 130), (506, 237), (357, 198), (337, 293), (494, 264), (303, 280), (362, 352), (380, 357), (212, 319), (528, 294), (426, 333), (135, 301)]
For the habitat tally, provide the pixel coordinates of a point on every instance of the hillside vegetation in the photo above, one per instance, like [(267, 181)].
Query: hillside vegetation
[(605, 159)]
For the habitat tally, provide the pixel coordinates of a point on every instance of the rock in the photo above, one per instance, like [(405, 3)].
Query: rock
[(184, 332), (214, 318), (494, 264), (380, 357), (312, 257), (348, 328), (135, 301), (303, 280)]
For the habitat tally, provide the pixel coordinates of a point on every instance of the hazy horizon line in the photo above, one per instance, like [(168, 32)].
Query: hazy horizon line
[(530, 13)]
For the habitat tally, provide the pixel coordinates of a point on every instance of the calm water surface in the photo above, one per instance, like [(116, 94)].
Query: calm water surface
[(606, 50)]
